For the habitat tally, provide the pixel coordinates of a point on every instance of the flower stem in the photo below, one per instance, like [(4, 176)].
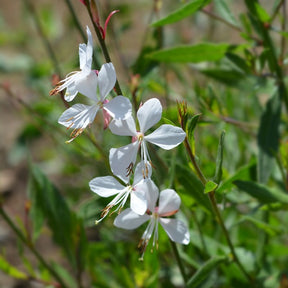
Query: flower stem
[(216, 211), (179, 261), (102, 44), (31, 247)]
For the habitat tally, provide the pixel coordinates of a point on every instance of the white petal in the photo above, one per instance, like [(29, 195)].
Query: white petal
[(85, 52), (105, 186), (176, 230), (79, 116), (86, 84), (119, 108), (149, 114), (166, 136), (169, 201), (141, 171), (151, 194), (138, 202), (124, 127), (130, 220), (122, 159), (106, 79)]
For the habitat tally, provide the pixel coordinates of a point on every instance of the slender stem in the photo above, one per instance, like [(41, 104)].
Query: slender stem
[(202, 240), (102, 44), (194, 162), (226, 234), (212, 199), (46, 43), (79, 27), (283, 28), (31, 247), (234, 27), (179, 261), (276, 11)]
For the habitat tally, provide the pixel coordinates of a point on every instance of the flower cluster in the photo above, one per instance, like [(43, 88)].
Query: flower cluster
[(146, 203)]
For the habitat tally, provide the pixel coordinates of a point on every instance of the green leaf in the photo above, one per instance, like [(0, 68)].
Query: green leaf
[(192, 186), (182, 12), (210, 186), (219, 159), (191, 54), (205, 271), (239, 62), (268, 137), (261, 12), (261, 192), (246, 172), (190, 127), (48, 203), (224, 11), (229, 77), (269, 229), (10, 270)]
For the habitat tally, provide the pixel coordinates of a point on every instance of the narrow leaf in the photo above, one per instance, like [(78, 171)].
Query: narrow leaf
[(225, 12), (210, 186), (183, 12), (205, 271), (261, 192), (10, 270), (192, 187), (191, 54), (247, 172), (219, 159), (268, 137)]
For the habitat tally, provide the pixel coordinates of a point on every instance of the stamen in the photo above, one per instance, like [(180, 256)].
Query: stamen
[(129, 169)]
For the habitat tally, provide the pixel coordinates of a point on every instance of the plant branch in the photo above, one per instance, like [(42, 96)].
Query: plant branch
[(216, 211), (179, 261), (45, 41), (102, 44), (31, 247)]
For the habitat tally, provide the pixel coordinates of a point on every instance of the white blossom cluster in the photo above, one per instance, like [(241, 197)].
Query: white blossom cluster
[(146, 203)]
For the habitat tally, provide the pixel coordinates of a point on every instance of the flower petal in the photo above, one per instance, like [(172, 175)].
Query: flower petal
[(86, 51), (124, 127), (130, 220), (138, 202), (119, 108), (79, 116), (149, 114), (106, 186), (106, 79), (152, 194), (166, 136), (142, 170), (86, 84), (169, 202), (176, 230), (70, 92), (122, 160)]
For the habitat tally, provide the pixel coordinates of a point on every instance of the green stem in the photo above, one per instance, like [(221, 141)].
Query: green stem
[(46, 43), (179, 261), (31, 247), (79, 27), (216, 211), (103, 45)]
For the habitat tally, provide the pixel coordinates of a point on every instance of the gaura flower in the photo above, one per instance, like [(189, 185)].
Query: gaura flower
[(166, 136), (79, 116), (169, 203), (83, 81), (108, 186)]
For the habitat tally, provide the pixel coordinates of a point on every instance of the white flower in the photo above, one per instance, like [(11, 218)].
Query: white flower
[(108, 186), (166, 136), (79, 116), (169, 203), (84, 81)]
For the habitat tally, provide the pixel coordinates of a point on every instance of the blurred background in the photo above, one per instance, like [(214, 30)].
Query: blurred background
[(38, 43)]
